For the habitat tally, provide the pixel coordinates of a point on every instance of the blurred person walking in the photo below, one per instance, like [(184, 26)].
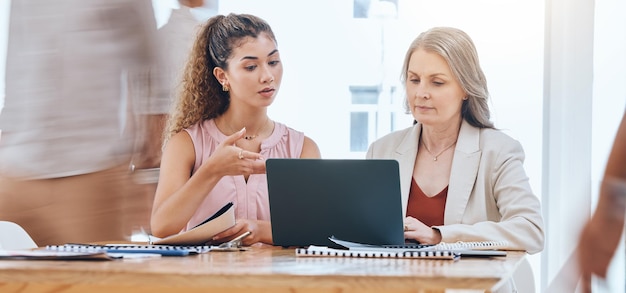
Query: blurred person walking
[(70, 121), (175, 39)]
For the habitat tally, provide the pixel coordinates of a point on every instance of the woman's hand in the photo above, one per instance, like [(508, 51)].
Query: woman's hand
[(260, 231), (416, 230), (232, 160)]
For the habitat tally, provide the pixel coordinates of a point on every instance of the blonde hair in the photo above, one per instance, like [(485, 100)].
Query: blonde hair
[(200, 95), (457, 48)]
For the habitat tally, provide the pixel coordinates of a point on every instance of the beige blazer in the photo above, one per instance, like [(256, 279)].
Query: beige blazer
[(489, 196)]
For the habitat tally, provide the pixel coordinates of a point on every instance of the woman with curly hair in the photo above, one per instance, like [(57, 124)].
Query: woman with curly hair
[(219, 133)]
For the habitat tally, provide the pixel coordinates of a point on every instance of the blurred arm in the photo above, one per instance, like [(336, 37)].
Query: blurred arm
[(601, 235)]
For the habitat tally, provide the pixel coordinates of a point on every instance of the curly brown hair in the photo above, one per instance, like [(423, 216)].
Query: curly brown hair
[(200, 95)]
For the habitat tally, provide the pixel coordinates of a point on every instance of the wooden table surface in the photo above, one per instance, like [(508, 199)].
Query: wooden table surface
[(259, 269)]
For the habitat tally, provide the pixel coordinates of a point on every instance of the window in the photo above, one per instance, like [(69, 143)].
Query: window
[(360, 8), (373, 113), (363, 8)]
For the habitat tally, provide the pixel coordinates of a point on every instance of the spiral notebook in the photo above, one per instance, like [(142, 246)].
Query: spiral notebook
[(332, 252), (467, 249), (118, 249)]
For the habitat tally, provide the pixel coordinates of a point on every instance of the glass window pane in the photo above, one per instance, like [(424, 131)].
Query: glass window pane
[(364, 95), (360, 8), (358, 131)]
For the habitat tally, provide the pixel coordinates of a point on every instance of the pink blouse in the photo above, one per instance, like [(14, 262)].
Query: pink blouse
[(250, 198)]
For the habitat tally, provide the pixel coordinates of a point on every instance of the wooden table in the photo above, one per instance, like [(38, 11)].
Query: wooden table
[(260, 269)]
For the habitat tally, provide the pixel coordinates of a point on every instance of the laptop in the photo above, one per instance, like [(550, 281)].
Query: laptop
[(349, 199)]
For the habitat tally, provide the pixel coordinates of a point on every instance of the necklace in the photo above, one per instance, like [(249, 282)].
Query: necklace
[(439, 154), (253, 136)]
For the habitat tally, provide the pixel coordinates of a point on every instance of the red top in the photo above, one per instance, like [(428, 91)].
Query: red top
[(429, 210)]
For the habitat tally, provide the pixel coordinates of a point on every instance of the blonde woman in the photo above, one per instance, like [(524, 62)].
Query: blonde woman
[(461, 179)]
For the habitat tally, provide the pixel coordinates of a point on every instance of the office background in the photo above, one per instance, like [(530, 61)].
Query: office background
[(555, 70)]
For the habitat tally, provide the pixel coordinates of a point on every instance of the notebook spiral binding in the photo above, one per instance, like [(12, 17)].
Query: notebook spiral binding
[(473, 245), (165, 250), (323, 251)]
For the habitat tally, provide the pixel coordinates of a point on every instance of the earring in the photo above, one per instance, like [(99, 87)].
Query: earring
[(225, 88)]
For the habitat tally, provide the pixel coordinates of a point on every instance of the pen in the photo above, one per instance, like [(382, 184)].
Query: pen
[(236, 242)]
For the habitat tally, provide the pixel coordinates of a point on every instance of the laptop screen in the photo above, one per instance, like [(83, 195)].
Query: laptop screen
[(354, 200)]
